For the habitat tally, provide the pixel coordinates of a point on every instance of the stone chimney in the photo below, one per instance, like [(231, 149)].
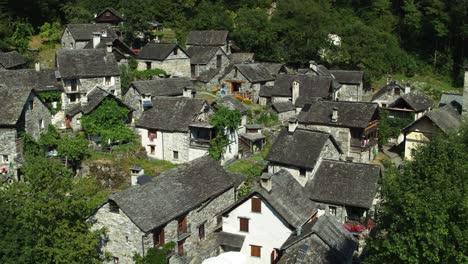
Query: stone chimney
[(265, 181), (96, 39), (334, 117), (38, 66), (293, 123), (188, 92), (135, 172), (465, 94), (109, 47), (295, 91), (407, 88), (313, 65)]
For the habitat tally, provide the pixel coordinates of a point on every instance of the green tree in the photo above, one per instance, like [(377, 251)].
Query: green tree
[(51, 32), (225, 122), (50, 138), (73, 148), (424, 213), (22, 34), (155, 255), (42, 221)]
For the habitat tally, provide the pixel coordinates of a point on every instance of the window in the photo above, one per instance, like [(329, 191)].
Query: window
[(41, 124), (73, 98), (175, 155), (175, 51), (107, 80), (113, 207), (193, 71), (244, 224), (152, 150), (73, 85), (78, 121), (201, 231), (397, 91), (148, 65), (31, 105), (235, 73), (256, 205), (302, 172), (219, 60), (332, 210), (180, 247), (152, 135), (158, 238), (5, 158), (116, 260), (255, 251)]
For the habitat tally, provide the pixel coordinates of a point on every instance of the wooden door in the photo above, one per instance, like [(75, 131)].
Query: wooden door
[(182, 224)]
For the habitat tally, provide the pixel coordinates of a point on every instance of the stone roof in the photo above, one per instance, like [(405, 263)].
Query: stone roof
[(283, 107), (416, 100), (348, 77), (14, 100), (162, 86), (208, 75), (301, 148), (86, 63), (454, 99), (207, 37), (95, 97), (157, 51), (201, 54), (253, 126), (337, 247), (113, 11), (265, 90), (43, 80), (350, 114), (230, 240), (252, 137), (232, 104), (174, 193), (273, 67), (387, 89), (309, 86), (172, 113), (344, 183), (84, 32), (241, 57), (255, 72), (445, 118), (11, 59)]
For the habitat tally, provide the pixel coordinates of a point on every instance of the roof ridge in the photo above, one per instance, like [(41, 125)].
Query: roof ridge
[(351, 162)]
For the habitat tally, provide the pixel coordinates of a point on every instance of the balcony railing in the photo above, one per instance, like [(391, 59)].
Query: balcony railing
[(200, 142), (183, 232)]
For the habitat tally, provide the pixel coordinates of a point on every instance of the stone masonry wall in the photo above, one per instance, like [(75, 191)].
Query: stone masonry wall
[(85, 85), (341, 134), (8, 138), (350, 92), (174, 64), (68, 42), (133, 99), (36, 117)]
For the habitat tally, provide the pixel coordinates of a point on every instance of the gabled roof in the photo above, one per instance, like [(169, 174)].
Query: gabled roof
[(84, 32), (301, 148), (417, 101), (116, 44), (202, 54), (255, 72), (14, 100), (386, 89), (111, 10), (172, 113), (454, 99), (241, 57), (174, 193), (11, 59), (43, 80), (273, 67), (95, 97), (86, 63), (207, 37), (287, 198), (283, 107), (344, 183), (445, 118), (157, 51), (350, 114), (162, 86), (339, 243), (232, 104), (348, 77), (309, 86), (207, 75)]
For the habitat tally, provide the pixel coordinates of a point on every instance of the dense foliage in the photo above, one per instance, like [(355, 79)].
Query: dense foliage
[(43, 220), (155, 255), (379, 36), (225, 122), (424, 214), (390, 127)]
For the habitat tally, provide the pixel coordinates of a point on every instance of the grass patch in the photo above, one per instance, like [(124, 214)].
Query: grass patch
[(46, 51), (246, 167)]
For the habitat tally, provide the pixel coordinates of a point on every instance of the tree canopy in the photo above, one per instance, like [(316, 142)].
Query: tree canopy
[(424, 213)]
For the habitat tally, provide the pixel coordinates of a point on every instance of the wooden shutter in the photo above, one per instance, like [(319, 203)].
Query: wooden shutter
[(255, 251), (159, 238), (244, 224), (180, 247), (256, 205)]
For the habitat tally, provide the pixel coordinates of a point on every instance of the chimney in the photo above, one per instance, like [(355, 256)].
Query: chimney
[(295, 91), (293, 122), (465, 94), (407, 88), (313, 65), (188, 92), (96, 39), (104, 33), (298, 230), (334, 118), (109, 47), (265, 181), (135, 172), (38, 66)]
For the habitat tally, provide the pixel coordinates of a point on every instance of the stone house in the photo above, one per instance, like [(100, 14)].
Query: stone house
[(168, 57), (11, 60), (83, 70), (141, 93), (207, 62), (389, 93), (241, 57), (322, 241), (176, 206), (252, 140), (77, 36), (94, 99), (285, 110), (298, 151), (25, 113), (453, 99), (438, 121), (232, 103), (352, 85), (109, 16), (121, 51), (353, 124), (212, 38), (411, 105), (275, 68), (245, 80)]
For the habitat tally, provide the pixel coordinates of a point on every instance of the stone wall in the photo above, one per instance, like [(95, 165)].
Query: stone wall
[(75, 123), (165, 144), (68, 42), (9, 148), (285, 116), (133, 99), (365, 156), (37, 119), (246, 85), (342, 135), (178, 65), (85, 85), (350, 92)]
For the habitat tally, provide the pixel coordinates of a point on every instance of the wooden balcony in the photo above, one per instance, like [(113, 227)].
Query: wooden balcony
[(200, 142), (183, 232)]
